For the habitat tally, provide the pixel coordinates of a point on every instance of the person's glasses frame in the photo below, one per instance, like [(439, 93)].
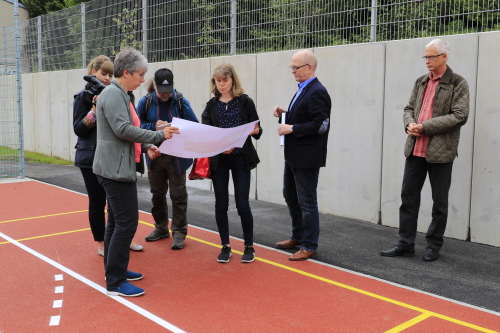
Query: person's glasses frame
[(431, 58), (295, 68)]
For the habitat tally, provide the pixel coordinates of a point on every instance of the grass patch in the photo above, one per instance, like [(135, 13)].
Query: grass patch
[(32, 157)]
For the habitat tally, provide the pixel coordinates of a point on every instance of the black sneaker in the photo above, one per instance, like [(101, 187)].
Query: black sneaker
[(225, 254), (249, 254), (156, 235)]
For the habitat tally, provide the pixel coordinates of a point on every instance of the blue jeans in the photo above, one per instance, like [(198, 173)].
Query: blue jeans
[(241, 180), (123, 217), (299, 191)]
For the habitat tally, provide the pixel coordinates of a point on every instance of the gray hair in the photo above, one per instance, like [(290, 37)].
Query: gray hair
[(131, 60), (441, 45)]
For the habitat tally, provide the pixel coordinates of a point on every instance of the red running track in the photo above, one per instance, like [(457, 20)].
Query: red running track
[(53, 281)]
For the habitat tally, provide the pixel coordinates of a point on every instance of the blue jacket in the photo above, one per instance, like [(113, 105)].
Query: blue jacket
[(149, 120)]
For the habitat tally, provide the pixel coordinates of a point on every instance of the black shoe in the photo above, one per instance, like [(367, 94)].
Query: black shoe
[(430, 255), (156, 235), (249, 254), (225, 254), (397, 251)]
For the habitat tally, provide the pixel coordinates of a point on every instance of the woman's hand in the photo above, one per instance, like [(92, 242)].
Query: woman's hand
[(160, 123), (229, 151), (169, 131), (255, 130), (153, 152)]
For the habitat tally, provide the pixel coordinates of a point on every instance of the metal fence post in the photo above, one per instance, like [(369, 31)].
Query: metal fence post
[(145, 28), (19, 89), (84, 37), (373, 26), (233, 27), (39, 31), (5, 69)]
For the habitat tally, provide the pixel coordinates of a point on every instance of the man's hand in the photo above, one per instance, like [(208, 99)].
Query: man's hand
[(169, 131), (153, 152), (229, 151), (284, 129), (278, 111), (160, 122), (415, 130)]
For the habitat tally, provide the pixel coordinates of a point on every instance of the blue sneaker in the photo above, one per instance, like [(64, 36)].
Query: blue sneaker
[(126, 289), (133, 276)]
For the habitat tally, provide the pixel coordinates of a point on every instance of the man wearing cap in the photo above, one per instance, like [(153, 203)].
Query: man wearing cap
[(157, 109)]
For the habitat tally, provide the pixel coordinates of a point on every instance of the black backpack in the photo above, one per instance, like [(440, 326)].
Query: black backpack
[(149, 99)]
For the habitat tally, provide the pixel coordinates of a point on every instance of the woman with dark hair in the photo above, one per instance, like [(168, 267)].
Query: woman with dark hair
[(84, 127), (117, 157), (230, 108)]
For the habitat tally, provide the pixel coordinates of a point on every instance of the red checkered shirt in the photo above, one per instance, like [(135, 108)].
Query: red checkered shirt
[(426, 113)]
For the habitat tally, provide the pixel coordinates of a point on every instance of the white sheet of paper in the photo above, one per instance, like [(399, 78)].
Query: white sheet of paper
[(282, 137), (197, 140)]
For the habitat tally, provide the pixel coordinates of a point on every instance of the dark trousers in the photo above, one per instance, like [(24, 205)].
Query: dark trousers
[(416, 169), (123, 217), (300, 193), (161, 175), (241, 180), (97, 203)]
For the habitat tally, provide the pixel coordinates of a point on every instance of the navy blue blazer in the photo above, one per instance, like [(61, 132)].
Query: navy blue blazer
[(310, 116)]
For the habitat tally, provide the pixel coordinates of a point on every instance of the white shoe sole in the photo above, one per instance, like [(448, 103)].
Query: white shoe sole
[(117, 293)]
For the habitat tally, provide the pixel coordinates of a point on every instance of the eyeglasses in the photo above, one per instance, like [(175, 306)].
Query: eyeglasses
[(431, 58), (295, 68)]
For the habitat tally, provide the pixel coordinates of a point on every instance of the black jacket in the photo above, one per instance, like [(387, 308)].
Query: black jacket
[(248, 114), (87, 136), (306, 147)]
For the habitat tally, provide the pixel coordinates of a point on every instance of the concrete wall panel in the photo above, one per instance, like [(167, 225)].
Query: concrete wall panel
[(60, 114), (404, 65), (485, 211), (29, 124), (276, 86), (192, 78), (354, 78), (41, 96)]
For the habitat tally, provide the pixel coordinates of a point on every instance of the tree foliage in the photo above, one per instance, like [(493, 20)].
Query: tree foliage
[(42, 7)]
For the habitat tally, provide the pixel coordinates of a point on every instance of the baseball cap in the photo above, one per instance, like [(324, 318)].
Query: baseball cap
[(164, 80)]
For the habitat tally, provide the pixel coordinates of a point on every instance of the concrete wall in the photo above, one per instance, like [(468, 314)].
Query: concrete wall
[(370, 85)]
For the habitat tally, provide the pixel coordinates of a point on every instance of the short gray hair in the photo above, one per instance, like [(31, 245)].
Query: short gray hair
[(131, 60), (441, 45)]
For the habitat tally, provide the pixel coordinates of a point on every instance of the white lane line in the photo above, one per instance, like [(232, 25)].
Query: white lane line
[(97, 287), (54, 320), (59, 290), (58, 277), (57, 304)]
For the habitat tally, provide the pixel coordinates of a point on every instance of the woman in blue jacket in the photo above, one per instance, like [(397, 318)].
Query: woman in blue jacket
[(231, 108), (84, 126)]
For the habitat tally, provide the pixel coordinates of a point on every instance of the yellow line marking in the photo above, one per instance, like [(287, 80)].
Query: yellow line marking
[(410, 323), (425, 314), (39, 217), (43, 236)]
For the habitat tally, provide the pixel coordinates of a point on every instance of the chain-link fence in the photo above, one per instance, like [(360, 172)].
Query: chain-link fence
[(11, 130), (172, 30)]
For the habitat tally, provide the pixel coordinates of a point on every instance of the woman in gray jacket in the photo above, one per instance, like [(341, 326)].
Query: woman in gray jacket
[(118, 150)]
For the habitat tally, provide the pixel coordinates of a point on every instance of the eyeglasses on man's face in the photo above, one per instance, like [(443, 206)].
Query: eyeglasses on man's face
[(431, 58), (295, 68)]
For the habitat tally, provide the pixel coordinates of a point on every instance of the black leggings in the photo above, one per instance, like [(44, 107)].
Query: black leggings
[(97, 203)]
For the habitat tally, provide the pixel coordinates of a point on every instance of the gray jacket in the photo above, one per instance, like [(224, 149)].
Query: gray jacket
[(116, 134), (449, 114)]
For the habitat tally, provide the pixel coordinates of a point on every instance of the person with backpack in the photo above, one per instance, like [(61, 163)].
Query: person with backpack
[(155, 110)]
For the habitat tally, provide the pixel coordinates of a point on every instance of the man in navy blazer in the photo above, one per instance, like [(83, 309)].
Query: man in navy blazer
[(306, 127)]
